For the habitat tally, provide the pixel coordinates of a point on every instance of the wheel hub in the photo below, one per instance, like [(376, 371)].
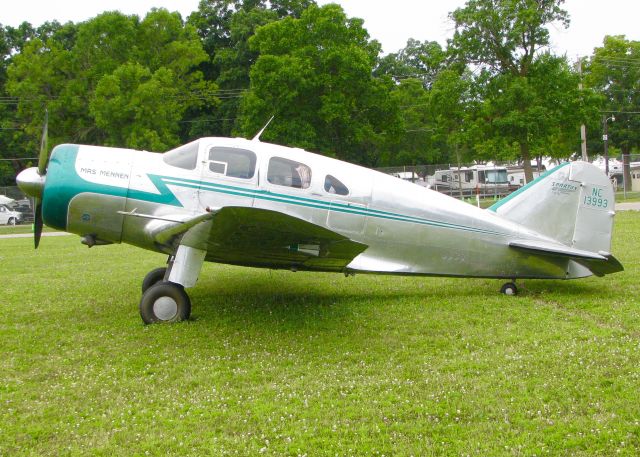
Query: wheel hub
[(165, 308)]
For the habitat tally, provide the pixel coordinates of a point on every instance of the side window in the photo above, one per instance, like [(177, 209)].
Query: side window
[(334, 186), (284, 172), (232, 162)]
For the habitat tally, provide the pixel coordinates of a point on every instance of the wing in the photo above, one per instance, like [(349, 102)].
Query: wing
[(264, 238)]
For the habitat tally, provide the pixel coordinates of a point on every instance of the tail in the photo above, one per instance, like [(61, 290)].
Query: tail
[(572, 204)]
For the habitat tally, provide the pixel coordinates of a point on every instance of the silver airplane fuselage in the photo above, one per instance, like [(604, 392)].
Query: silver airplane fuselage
[(407, 229)]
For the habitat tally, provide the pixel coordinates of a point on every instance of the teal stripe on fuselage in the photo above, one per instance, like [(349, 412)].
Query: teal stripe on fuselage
[(63, 185), (319, 204)]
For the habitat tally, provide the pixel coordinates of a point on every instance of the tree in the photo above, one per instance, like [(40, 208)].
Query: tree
[(451, 105), (504, 39), (315, 75), (95, 77), (417, 60), (137, 108), (225, 27), (614, 72), (535, 112)]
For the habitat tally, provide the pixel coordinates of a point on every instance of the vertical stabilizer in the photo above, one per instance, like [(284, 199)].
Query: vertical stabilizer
[(573, 204)]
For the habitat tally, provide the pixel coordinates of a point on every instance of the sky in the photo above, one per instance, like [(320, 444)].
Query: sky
[(392, 23)]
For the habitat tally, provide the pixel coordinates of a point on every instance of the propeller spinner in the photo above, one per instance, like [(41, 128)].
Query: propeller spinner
[(31, 181)]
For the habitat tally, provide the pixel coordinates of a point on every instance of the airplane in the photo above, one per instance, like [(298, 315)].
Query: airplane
[(251, 203)]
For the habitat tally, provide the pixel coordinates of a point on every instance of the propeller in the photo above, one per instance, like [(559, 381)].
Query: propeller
[(31, 181), (43, 160)]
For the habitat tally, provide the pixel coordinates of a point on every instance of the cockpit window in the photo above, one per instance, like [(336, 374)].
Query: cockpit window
[(232, 162), (284, 172), (334, 186), (183, 156)]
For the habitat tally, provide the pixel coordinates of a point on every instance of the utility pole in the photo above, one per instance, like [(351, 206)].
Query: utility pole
[(583, 128), (605, 138)]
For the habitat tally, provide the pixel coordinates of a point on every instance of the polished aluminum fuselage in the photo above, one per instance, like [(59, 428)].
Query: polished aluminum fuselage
[(407, 229)]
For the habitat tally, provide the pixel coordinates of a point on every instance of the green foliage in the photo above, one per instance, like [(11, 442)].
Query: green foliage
[(419, 60), (504, 36), (613, 72), (529, 99), (225, 27), (315, 75), (491, 94), (138, 108), (120, 81)]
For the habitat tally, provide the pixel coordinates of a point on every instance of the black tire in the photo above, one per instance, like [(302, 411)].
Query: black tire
[(12, 221), (165, 303), (153, 277), (509, 289)]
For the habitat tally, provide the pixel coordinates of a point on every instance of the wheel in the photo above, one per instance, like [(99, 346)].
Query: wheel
[(153, 277), (509, 289), (11, 221), (165, 302)]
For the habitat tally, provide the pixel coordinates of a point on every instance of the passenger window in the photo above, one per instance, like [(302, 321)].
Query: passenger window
[(284, 172), (334, 186), (185, 156), (232, 162)]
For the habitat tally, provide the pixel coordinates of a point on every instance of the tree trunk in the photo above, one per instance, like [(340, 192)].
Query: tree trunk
[(626, 172), (526, 161)]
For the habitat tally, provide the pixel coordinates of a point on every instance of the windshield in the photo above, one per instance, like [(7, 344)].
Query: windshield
[(184, 156)]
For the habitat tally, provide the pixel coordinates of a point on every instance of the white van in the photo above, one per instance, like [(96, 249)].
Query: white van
[(9, 217)]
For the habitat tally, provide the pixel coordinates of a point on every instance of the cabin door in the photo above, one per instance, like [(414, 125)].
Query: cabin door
[(229, 177)]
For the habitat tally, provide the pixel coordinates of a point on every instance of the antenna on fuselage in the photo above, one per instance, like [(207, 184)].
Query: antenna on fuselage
[(257, 137)]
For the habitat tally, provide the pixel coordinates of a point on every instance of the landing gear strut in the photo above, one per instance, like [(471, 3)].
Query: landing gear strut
[(509, 288)]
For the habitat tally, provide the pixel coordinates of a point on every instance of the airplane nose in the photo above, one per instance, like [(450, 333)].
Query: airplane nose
[(31, 182)]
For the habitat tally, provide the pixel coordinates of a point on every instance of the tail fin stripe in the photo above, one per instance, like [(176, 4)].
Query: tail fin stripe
[(526, 187)]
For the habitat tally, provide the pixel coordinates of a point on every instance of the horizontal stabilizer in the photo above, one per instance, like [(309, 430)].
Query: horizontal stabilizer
[(599, 264), (545, 247)]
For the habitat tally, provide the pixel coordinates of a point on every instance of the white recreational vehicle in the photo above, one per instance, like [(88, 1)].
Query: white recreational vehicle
[(482, 179)]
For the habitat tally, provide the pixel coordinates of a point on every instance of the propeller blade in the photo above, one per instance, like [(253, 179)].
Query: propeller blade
[(43, 159), (37, 223)]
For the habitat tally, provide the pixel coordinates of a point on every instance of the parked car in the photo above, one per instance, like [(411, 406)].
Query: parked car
[(8, 216)]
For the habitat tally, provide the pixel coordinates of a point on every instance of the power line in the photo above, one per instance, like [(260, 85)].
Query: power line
[(620, 112)]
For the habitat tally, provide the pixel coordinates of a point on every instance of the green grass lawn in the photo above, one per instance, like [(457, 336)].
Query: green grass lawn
[(280, 363), (627, 197), (18, 229)]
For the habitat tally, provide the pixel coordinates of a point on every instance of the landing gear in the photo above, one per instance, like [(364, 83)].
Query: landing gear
[(509, 288), (165, 302), (153, 277), (163, 295)]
